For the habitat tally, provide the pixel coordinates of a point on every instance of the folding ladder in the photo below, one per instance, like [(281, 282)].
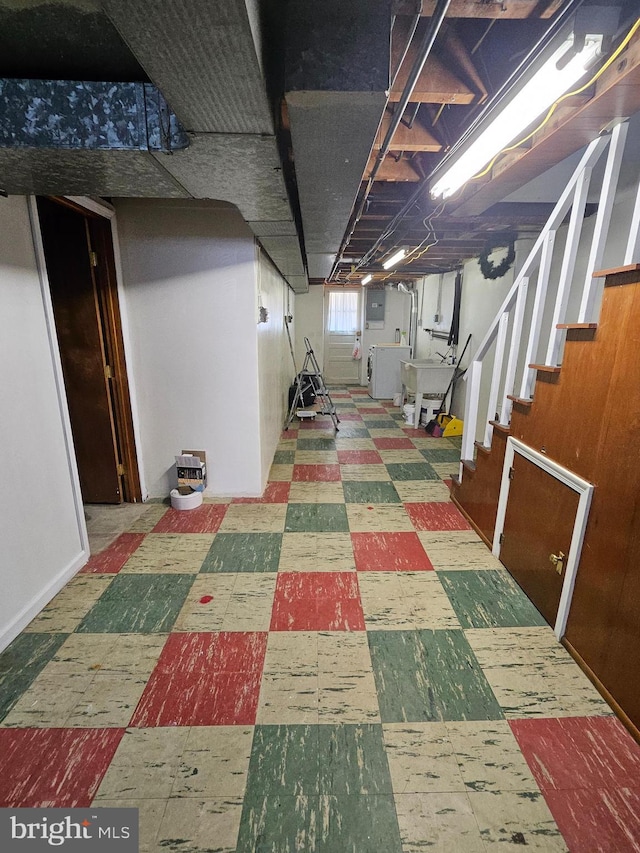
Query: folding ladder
[(310, 378)]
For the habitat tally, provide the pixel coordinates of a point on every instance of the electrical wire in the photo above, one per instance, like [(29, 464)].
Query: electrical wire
[(564, 97)]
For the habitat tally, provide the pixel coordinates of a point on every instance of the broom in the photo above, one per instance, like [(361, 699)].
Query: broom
[(434, 428)]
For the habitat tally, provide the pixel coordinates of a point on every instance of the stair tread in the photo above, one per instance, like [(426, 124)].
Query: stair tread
[(469, 463), (501, 427), (522, 401), (481, 447), (546, 368)]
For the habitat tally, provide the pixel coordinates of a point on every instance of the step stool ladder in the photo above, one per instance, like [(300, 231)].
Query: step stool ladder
[(310, 378)]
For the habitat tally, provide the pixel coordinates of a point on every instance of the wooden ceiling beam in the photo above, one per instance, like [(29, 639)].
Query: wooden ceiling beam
[(415, 138), (503, 9)]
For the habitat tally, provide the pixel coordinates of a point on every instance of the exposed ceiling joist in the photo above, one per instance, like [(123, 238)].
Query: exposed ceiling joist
[(505, 9)]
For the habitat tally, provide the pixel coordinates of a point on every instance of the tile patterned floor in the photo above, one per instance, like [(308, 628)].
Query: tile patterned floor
[(339, 666)]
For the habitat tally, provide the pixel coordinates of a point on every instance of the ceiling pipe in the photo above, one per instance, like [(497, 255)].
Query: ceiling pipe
[(560, 20), (435, 22), (413, 320)]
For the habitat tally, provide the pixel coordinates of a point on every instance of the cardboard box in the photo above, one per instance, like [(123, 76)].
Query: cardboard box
[(191, 467)]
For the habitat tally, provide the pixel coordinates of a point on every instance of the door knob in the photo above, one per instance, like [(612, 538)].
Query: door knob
[(558, 561)]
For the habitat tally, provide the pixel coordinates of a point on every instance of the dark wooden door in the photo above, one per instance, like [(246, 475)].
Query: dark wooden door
[(539, 522), (79, 327)]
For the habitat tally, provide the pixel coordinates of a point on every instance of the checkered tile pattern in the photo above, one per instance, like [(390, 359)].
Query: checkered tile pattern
[(338, 665)]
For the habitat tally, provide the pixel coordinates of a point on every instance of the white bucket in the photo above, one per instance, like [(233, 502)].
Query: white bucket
[(190, 501), (409, 411), (397, 399), (429, 410)]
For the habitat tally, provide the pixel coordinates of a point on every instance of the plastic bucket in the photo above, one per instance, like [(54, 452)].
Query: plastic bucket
[(190, 501), (409, 411)]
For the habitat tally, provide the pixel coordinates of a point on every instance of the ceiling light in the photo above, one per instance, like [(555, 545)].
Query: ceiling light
[(366, 279), (394, 259), (549, 83)]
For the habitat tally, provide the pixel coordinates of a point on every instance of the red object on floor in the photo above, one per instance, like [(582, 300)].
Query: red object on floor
[(275, 493), (359, 457), (205, 679), (438, 515), (113, 558), (394, 444), (317, 601), (203, 519), (54, 768), (389, 552), (316, 473)]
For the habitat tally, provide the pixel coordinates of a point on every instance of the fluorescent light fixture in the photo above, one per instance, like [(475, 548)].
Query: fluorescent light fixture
[(549, 83), (366, 279), (394, 259)]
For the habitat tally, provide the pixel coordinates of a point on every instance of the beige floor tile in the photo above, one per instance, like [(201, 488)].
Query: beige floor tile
[(489, 757), (354, 443), (48, 702), (214, 763), (145, 764), (193, 825), (316, 493), (170, 552), (251, 602), (134, 655), (428, 442), (500, 816), (65, 612), (378, 518), (289, 443), (148, 519), (103, 520), (457, 550), (254, 518), (341, 651), (108, 702), (288, 698), (281, 473), (421, 758), (427, 602), (347, 697), (365, 473), (198, 615), (150, 814), (294, 652), (422, 491), (441, 823), (316, 552), (383, 602), (445, 470)]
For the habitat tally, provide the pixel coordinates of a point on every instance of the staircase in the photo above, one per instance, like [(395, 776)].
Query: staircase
[(577, 404)]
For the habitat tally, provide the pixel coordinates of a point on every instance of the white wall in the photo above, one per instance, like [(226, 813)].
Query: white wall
[(41, 533), (189, 271), (309, 323), (275, 368)]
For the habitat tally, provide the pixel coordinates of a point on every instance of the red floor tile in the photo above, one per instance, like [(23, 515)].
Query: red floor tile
[(316, 473), (359, 457), (436, 516), (317, 601), (579, 752), (113, 558), (210, 679), (319, 423), (389, 552), (203, 519), (289, 433), (358, 392), (412, 432), (275, 493), (372, 410), (348, 416), (603, 821), (54, 768), (394, 444)]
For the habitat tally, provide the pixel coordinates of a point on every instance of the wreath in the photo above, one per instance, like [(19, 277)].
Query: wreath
[(488, 268)]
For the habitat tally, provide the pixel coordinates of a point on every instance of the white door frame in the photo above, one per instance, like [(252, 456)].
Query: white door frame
[(573, 481)]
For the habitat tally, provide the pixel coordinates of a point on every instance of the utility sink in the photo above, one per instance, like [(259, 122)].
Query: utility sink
[(426, 376)]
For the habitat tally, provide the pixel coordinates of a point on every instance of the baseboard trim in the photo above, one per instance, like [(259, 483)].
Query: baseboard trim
[(633, 730), (9, 632), (472, 523)]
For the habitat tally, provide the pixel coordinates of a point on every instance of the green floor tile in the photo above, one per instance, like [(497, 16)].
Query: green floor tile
[(381, 424), (411, 471), (489, 599), (243, 552), (316, 444), (370, 492), (21, 662), (346, 431), (358, 824), (429, 675), (284, 457), (444, 455), (317, 518), (138, 604), (280, 809), (352, 760)]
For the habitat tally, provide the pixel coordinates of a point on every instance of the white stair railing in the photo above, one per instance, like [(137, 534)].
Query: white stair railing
[(513, 309)]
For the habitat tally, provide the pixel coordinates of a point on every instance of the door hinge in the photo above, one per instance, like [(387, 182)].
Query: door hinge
[(501, 539), (108, 373), (93, 259), (511, 472), (120, 469)]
